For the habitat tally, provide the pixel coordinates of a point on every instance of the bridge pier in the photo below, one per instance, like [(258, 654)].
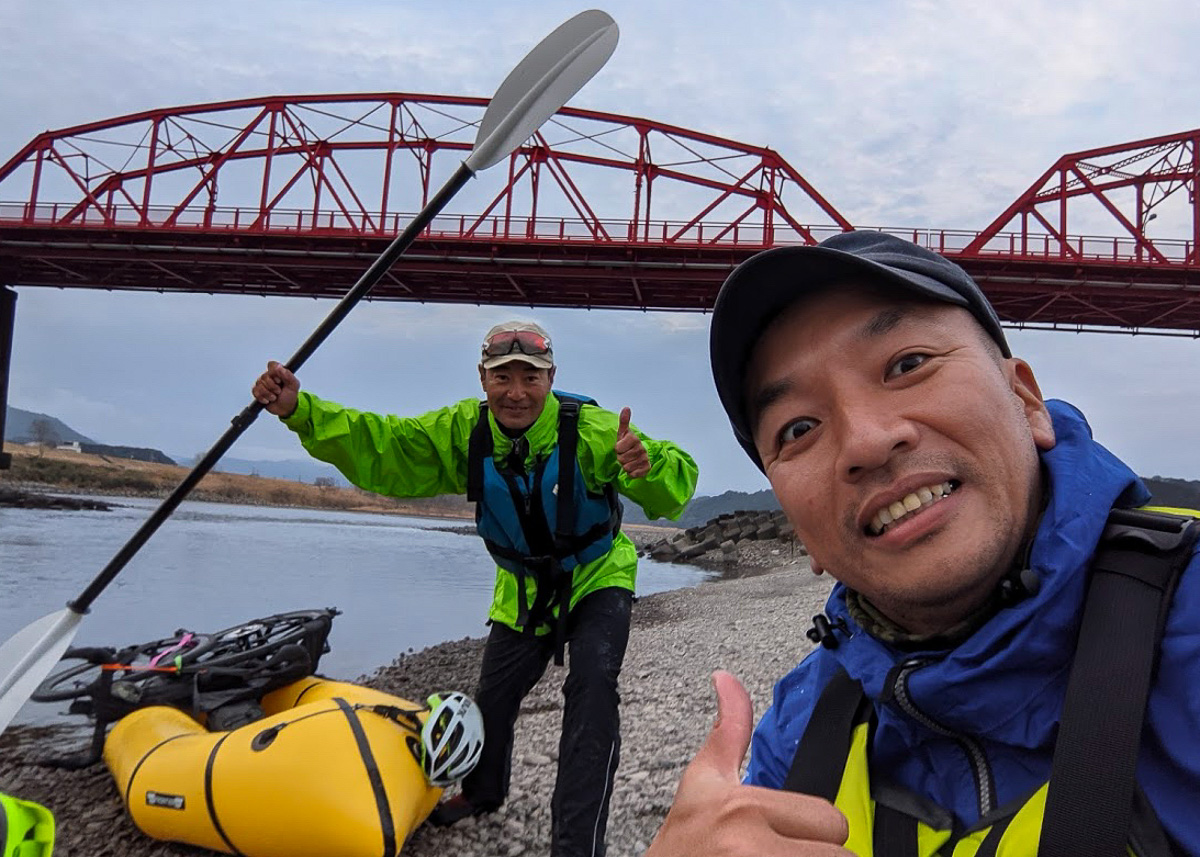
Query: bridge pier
[(8, 317)]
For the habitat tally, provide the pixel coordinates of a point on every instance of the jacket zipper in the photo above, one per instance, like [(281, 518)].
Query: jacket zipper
[(985, 787), (527, 484)]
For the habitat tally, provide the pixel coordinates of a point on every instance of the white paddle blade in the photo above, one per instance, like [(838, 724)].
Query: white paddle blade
[(542, 83), (29, 655)]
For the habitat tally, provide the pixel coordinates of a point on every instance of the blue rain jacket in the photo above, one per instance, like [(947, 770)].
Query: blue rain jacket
[(1005, 684)]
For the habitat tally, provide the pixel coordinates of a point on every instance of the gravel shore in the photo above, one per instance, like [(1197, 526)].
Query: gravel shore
[(750, 622)]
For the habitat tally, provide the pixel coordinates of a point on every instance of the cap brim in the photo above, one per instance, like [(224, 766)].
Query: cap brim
[(537, 361), (764, 285)]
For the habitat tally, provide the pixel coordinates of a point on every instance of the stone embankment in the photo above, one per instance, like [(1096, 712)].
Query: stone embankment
[(751, 621), (719, 539)]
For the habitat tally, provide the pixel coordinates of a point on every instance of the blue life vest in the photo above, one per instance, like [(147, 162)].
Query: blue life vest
[(542, 523)]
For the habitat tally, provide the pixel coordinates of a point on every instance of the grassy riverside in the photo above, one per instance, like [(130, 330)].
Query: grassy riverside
[(51, 470)]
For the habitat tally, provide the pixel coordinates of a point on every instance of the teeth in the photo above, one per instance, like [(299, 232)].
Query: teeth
[(920, 498)]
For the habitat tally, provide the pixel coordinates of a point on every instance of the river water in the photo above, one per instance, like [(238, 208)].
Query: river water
[(401, 583)]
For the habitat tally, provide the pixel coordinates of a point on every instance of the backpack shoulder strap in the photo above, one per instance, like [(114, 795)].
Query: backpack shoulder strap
[(820, 759), (568, 451), (569, 405), (479, 448), (1089, 803)]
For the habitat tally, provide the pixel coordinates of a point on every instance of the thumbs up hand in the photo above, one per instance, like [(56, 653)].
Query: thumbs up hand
[(714, 814), (631, 454)]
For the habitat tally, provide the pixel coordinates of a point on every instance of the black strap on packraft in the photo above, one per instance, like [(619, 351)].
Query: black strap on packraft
[(1091, 797), (1089, 804)]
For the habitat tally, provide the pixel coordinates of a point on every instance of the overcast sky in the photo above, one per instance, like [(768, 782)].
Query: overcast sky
[(902, 113)]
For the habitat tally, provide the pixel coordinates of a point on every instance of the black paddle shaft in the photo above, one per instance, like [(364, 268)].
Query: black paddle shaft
[(243, 420)]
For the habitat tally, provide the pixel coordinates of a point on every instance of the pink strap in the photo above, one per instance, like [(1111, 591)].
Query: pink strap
[(183, 641)]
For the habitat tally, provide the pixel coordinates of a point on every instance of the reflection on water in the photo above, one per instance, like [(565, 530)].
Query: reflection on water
[(401, 583)]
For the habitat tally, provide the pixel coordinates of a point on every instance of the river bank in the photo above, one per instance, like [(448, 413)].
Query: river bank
[(53, 471), (752, 623)]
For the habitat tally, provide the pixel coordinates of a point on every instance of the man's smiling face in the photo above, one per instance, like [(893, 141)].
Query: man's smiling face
[(516, 392), (902, 446)]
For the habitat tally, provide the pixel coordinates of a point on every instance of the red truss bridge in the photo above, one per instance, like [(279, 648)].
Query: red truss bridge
[(297, 195)]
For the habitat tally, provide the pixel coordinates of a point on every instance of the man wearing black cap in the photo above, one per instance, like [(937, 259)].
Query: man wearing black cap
[(970, 524)]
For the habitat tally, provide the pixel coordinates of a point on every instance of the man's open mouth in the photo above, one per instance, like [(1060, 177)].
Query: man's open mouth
[(909, 505)]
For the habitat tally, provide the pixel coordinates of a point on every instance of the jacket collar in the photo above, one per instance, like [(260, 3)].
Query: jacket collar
[(542, 435)]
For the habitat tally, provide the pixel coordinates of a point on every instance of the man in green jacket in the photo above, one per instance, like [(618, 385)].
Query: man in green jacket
[(544, 468)]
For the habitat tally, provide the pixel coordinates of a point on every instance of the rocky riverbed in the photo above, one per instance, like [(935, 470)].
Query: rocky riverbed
[(22, 499), (751, 622)]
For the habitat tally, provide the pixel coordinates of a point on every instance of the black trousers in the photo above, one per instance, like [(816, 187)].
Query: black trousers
[(590, 744)]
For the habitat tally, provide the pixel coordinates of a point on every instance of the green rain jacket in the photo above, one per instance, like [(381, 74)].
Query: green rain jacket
[(427, 455)]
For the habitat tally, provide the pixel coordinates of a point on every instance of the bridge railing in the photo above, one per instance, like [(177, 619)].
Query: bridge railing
[(1088, 247), (220, 219), (328, 222)]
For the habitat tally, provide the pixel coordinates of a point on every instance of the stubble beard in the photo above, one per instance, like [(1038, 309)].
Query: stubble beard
[(956, 581)]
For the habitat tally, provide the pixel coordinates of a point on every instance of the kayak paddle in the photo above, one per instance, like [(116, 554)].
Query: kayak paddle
[(533, 91)]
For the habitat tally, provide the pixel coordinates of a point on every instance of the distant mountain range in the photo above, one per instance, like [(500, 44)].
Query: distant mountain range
[(703, 509), (29, 427), (1180, 493), (296, 469), (1177, 493), (19, 428)]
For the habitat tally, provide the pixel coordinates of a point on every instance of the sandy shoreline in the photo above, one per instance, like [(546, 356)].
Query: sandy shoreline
[(751, 623)]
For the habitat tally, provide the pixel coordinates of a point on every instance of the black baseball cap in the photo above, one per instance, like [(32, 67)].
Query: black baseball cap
[(770, 281)]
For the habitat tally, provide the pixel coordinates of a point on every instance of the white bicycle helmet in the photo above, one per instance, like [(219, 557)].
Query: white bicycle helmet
[(451, 738)]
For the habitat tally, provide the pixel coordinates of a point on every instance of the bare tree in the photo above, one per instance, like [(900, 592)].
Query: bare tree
[(44, 434)]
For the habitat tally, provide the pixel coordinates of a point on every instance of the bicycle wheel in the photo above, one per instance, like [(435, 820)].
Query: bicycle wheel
[(132, 664), (259, 639)]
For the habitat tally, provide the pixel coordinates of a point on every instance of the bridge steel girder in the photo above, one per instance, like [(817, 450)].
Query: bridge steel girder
[(297, 195), (1120, 188), (333, 164)]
